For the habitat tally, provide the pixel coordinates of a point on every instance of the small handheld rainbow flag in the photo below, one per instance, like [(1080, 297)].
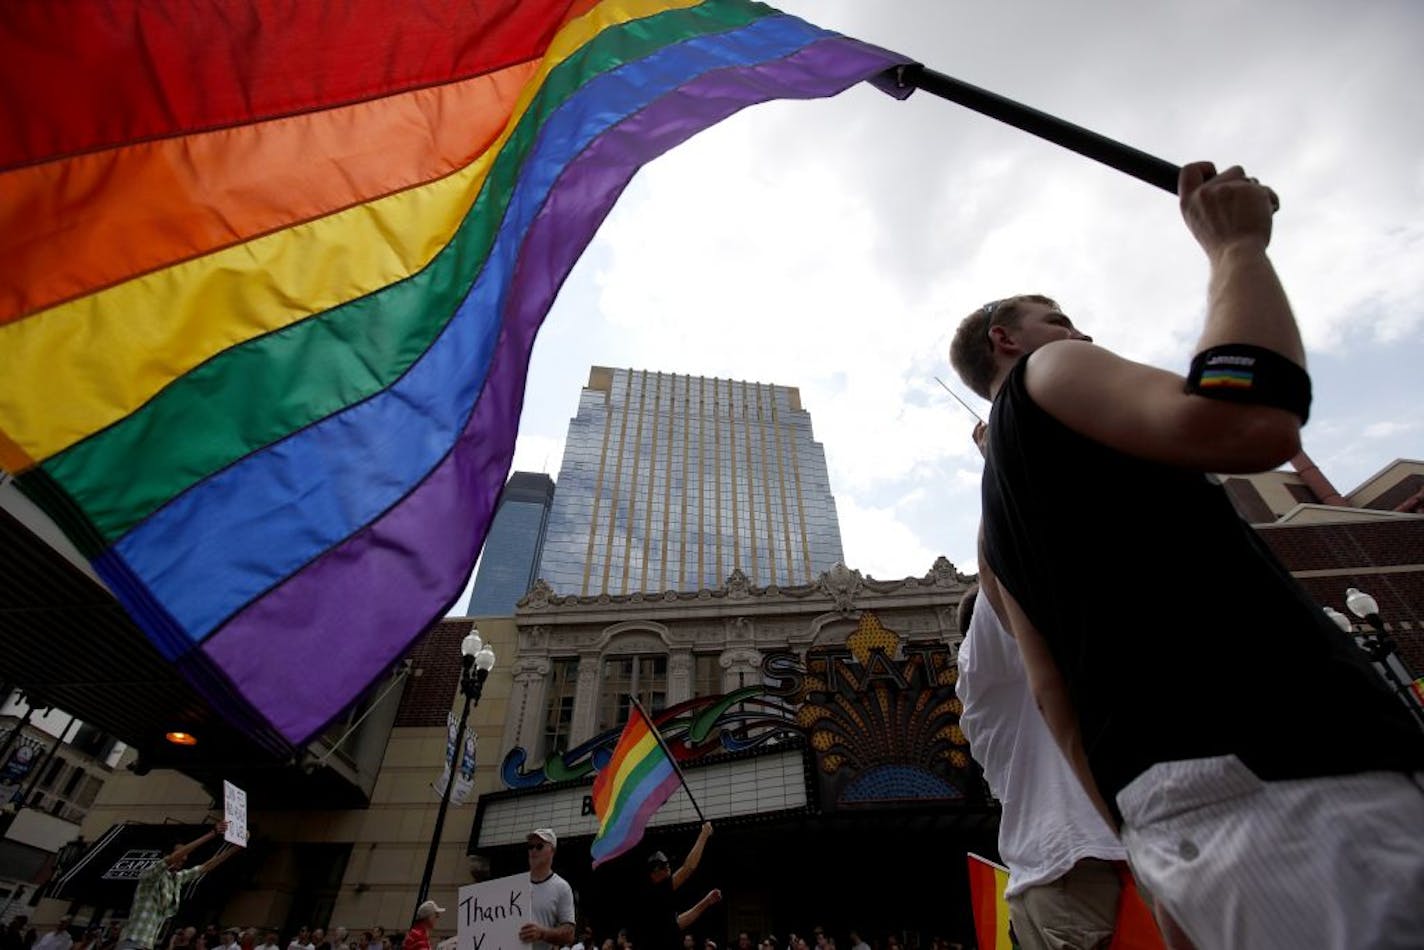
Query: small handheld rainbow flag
[(987, 882), (632, 786), (1135, 929)]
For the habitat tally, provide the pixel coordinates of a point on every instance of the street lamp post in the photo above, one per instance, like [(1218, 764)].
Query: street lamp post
[(476, 661), (1376, 643)]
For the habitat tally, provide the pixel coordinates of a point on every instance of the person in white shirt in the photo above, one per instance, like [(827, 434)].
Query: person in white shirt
[(551, 911), (56, 939), (269, 941), (1065, 864)]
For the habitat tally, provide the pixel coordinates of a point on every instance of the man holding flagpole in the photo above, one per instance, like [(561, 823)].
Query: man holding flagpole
[(661, 925), (640, 775)]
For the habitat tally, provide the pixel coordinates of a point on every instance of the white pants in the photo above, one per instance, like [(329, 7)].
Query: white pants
[(1311, 863)]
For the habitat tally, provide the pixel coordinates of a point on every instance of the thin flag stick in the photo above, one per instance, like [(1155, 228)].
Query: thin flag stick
[(668, 752), (1125, 158), (957, 399)]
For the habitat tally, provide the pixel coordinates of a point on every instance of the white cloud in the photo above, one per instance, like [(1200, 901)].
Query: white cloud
[(536, 452), (1386, 429), (885, 546)]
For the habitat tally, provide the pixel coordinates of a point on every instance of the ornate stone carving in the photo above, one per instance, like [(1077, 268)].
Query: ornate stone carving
[(842, 585), (529, 669), (738, 586), (739, 628), (741, 666), (942, 573), (636, 643), (538, 596)]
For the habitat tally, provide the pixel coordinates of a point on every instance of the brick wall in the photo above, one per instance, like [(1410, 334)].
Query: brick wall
[(435, 674), (1344, 548), (1322, 547)]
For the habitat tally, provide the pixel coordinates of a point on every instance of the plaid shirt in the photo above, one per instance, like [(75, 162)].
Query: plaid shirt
[(155, 900)]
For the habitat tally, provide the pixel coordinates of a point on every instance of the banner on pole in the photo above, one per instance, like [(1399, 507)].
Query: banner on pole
[(439, 783), (465, 778)]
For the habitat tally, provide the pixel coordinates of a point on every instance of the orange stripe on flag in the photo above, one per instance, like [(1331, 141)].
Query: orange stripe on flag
[(83, 223)]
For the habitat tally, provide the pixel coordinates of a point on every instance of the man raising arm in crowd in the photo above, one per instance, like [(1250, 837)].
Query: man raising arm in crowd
[(160, 890)]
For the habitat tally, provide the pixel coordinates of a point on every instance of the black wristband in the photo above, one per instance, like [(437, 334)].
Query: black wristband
[(1242, 372)]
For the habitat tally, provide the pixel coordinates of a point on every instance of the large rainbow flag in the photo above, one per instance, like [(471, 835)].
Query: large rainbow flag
[(272, 273), (635, 783)]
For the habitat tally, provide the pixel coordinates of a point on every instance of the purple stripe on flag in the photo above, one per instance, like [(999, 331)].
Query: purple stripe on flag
[(351, 612)]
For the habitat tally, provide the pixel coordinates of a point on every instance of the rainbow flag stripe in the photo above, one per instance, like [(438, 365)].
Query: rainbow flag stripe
[(1227, 379), (987, 882), (634, 784), (273, 273)]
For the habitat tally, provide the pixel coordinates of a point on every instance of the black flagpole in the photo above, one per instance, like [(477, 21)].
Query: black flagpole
[(668, 752), (1124, 158)]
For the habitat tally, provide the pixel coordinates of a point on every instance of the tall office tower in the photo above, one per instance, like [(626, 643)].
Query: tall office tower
[(512, 548), (671, 482)]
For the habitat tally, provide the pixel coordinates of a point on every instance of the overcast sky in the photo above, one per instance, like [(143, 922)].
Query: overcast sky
[(834, 245)]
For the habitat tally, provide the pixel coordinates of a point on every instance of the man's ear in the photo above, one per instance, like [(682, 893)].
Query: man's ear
[(1002, 339)]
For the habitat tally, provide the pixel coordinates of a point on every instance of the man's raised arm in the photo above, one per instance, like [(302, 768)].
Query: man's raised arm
[(694, 857), (1242, 406), (219, 858), (181, 852)]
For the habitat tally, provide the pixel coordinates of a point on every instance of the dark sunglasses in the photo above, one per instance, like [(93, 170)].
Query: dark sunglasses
[(535, 846)]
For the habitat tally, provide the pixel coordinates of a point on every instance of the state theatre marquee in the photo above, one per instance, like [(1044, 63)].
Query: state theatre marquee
[(871, 723)]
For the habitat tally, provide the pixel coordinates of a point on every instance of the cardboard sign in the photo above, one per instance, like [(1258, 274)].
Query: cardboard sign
[(235, 811), (490, 913)]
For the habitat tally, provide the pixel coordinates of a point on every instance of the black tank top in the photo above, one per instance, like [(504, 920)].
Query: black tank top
[(1177, 632)]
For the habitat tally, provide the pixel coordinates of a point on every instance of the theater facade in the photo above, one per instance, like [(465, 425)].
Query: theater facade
[(817, 726)]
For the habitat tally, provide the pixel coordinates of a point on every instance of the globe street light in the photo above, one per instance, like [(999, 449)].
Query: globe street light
[(1377, 644), (476, 661)]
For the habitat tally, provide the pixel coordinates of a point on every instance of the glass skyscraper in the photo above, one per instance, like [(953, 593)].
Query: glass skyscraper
[(513, 546), (671, 482)]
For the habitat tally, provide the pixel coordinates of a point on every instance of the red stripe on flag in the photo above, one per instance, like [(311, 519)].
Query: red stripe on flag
[(76, 77)]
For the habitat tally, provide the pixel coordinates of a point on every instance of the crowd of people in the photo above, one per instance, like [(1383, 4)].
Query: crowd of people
[(657, 916), (19, 935), (817, 939)]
